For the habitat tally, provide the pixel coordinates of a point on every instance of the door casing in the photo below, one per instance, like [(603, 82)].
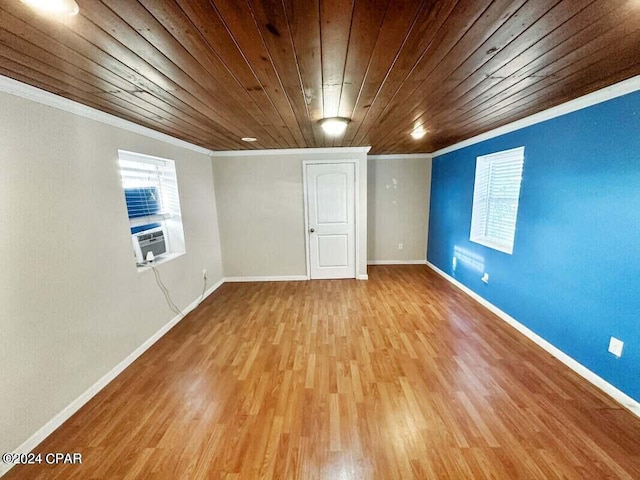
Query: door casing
[(356, 192)]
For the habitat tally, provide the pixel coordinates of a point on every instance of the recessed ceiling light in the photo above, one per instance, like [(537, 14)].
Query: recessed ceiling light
[(61, 7), (249, 139), (418, 133), (334, 126)]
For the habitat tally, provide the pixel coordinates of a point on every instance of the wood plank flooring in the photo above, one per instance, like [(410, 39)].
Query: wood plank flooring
[(402, 376)]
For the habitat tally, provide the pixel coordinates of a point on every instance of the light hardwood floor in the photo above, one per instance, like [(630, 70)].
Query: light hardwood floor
[(401, 377)]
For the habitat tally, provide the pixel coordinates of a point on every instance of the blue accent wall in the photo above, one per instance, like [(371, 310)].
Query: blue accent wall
[(574, 276)]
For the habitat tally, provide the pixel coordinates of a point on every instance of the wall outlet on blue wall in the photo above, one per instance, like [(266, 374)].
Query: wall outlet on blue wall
[(615, 346), (485, 277)]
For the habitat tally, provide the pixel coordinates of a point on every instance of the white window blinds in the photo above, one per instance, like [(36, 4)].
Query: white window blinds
[(495, 199), (150, 186)]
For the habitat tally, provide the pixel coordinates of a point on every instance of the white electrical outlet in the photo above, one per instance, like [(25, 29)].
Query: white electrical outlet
[(615, 346), (485, 277), (400, 246), (204, 273)]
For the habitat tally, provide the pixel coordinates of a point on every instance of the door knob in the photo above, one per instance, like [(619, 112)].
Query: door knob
[(312, 230)]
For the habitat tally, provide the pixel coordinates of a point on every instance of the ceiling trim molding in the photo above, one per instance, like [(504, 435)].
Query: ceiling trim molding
[(287, 151), (16, 88), (400, 156), (19, 89), (608, 93)]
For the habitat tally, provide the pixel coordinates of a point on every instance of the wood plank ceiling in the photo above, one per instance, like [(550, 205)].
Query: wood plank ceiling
[(211, 72)]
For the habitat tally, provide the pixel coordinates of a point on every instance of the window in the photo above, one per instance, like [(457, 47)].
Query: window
[(153, 206), (495, 199)]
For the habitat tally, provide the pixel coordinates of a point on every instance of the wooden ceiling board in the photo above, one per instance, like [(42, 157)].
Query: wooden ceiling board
[(458, 22), (55, 66), (491, 30), (218, 38), (242, 28), (508, 81), (556, 73), (146, 79), (335, 27), (271, 20), (515, 56), (304, 20), (149, 68), (417, 45), (205, 75), (213, 71), (593, 67), (184, 32), (51, 84), (368, 18), (399, 20), (447, 91), (527, 65), (522, 110)]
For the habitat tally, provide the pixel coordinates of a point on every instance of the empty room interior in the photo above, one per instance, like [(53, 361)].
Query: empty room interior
[(320, 239)]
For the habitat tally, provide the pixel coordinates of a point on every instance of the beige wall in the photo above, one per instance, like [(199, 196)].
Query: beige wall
[(72, 304), (399, 192), (261, 212)]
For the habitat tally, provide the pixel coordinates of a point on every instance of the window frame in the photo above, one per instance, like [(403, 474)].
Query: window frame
[(512, 164), (169, 217)]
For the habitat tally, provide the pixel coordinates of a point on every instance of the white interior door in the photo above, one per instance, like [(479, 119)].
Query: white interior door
[(331, 220)]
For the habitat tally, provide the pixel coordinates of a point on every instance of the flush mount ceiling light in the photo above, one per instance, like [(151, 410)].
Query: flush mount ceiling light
[(418, 133), (60, 7), (249, 139), (334, 126)]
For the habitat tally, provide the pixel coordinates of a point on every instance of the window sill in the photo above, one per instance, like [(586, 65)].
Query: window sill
[(164, 258), (494, 246), (139, 221)]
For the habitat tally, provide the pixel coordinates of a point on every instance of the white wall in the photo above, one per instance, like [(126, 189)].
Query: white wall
[(72, 304), (399, 189), (261, 211)]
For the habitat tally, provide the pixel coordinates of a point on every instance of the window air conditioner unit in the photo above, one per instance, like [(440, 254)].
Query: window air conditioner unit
[(151, 240)]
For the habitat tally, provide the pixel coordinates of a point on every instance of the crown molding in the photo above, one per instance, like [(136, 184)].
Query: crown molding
[(14, 87), (288, 151), (608, 93), (28, 92), (401, 156)]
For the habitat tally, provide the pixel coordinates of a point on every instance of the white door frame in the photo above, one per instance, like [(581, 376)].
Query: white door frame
[(356, 192)]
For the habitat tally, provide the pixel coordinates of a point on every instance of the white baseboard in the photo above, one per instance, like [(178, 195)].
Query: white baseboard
[(618, 395), (285, 278), (282, 278), (396, 262), (88, 394)]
